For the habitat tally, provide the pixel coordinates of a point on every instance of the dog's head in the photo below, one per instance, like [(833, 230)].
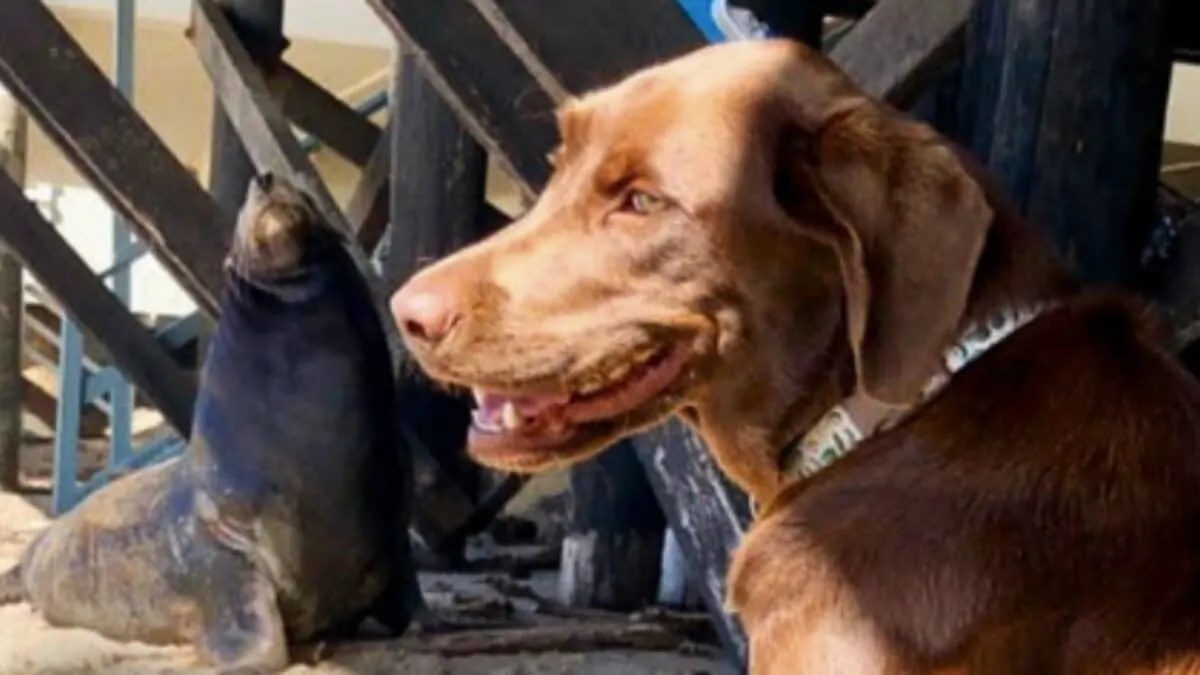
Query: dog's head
[(723, 236)]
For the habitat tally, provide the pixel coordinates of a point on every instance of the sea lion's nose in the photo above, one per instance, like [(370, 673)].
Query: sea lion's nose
[(424, 312)]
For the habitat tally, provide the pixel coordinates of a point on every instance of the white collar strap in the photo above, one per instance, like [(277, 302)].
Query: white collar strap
[(838, 432)]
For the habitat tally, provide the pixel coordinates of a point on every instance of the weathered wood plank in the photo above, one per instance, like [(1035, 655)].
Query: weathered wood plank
[(14, 144), (1083, 166), (847, 8), (437, 194), (899, 45), (611, 555), (592, 43), (260, 25), (313, 108), (502, 64), (133, 348), (707, 514), (488, 87), (1184, 30), (114, 149), (367, 210)]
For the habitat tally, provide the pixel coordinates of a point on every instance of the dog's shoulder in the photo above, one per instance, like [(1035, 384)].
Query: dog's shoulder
[(1064, 460)]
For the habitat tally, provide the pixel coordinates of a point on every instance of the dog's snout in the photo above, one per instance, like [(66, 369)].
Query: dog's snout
[(425, 312)]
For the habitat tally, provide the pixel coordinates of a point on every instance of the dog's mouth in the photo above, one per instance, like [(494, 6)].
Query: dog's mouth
[(524, 431)]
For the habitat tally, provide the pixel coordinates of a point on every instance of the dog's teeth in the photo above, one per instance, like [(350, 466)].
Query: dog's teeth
[(589, 388), (479, 396), (509, 416), (483, 423)]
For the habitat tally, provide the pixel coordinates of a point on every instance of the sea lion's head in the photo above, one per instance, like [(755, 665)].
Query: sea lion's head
[(280, 233)]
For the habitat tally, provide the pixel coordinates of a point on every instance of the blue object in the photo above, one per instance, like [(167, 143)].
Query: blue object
[(700, 12), (719, 21)]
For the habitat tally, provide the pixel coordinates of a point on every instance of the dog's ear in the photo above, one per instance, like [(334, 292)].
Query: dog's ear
[(908, 224)]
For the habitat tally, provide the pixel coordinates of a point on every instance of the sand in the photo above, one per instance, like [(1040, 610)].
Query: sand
[(28, 646)]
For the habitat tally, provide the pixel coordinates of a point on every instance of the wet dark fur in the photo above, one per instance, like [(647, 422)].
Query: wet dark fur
[(284, 518)]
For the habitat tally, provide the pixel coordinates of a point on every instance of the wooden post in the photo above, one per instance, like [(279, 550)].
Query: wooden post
[(611, 554), (260, 26), (13, 137), (438, 173), (1065, 102)]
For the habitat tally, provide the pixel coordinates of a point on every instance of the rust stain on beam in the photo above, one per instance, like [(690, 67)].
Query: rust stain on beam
[(267, 136), (109, 143), (133, 348)]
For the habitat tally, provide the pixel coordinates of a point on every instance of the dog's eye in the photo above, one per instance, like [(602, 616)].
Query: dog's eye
[(644, 203)]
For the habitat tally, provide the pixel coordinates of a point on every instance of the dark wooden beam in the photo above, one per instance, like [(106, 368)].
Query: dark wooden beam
[(114, 149), (312, 108), (488, 87), (367, 210), (799, 20), (1083, 166), (437, 194), (847, 8), (897, 48), (133, 348), (260, 26), (707, 514), (612, 551), (503, 64), (1184, 30)]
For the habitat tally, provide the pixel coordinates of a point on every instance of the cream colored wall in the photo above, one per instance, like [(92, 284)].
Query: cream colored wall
[(1183, 107), (173, 94)]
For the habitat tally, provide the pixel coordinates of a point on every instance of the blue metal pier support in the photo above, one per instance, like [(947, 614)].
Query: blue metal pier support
[(80, 385)]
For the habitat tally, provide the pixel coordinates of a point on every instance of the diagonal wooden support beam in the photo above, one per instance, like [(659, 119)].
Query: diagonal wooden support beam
[(895, 49), (313, 108), (114, 149), (265, 132), (139, 356), (367, 209), (503, 64), (498, 101)]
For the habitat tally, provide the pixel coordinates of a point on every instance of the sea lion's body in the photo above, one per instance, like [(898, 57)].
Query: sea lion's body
[(284, 519)]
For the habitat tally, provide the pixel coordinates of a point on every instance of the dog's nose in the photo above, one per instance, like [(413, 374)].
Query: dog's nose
[(424, 314)]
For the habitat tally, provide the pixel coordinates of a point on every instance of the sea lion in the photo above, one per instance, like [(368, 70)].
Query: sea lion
[(284, 519)]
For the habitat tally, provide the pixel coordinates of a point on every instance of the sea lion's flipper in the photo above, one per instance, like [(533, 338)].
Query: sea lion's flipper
[(12, 586), (241, 629)]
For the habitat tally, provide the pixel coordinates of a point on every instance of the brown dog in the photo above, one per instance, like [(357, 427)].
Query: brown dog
[(741, 237)]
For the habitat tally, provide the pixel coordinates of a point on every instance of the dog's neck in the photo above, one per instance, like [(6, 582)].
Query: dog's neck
[(858, 417), (801, 370)]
